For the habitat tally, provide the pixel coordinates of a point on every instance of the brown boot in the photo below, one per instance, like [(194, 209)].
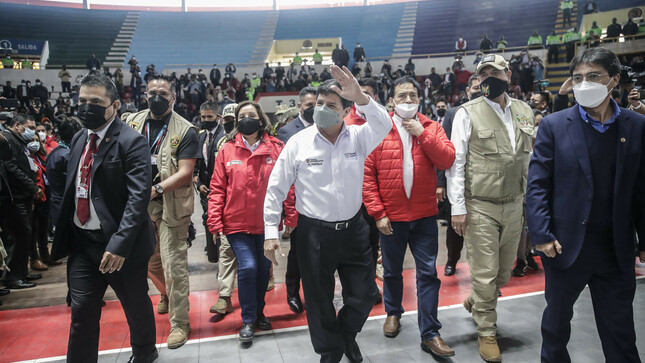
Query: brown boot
[(222, 306), (489, 350), (38, 265), (162, 307), (392, 326), (437, 347)]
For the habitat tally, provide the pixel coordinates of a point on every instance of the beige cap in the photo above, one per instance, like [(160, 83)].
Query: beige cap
[(229, 110), (494, 60)]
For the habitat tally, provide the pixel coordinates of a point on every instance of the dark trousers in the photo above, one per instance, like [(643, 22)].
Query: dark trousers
[(422, 236), (571, 51), (454, 242), (212, 244), (66, 86), (374, 233), (553, 54), (612, 294), (321, 252), (40, 230), (16, 234), (566, 16), (292, 276), (252, 273), (87, 286)]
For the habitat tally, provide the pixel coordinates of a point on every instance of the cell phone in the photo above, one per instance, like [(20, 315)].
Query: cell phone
[(9, 103)]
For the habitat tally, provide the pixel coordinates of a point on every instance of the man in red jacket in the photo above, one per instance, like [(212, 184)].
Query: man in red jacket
[(399, 192)]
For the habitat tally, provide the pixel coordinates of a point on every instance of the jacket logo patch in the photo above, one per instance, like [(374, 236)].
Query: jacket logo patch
[(233, 162), (485, 89), (174, 141), (351, 156), (314, 162), (522, 119), (270, 161)]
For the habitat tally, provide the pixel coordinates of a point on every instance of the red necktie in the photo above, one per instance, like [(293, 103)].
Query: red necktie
[(83, 205)]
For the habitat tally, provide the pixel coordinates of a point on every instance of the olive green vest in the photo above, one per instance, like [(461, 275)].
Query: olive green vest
[(178, 204), (493, 172)]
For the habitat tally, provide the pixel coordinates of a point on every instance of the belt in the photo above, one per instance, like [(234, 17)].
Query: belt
[(338, 226), (95, 235)]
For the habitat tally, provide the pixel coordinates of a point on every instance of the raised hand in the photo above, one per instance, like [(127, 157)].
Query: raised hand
[(350, 90)]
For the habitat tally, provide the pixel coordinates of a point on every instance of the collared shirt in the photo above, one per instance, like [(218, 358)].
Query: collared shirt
[(408, 162), (328, 178), (251, 147), (210, 134), (304, 122), (461, 128), (601, 127), (93, 223)]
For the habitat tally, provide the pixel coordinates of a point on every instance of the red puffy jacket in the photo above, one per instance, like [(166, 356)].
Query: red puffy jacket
[(238, 186), (383, 190), (353, 118)]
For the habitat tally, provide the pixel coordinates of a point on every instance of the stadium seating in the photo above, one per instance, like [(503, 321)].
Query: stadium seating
[(196, 37), (73, 34), (375, 27), (441, 22)]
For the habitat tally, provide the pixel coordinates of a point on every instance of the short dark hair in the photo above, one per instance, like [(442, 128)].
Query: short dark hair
[(441, 100), (404, 80), (471, 79), (599, 56), (21, 118), (546, 96), (162, 77), (307, 91), (67, 129), (325, 89), (209, 106), (369, 82), (101, 80)]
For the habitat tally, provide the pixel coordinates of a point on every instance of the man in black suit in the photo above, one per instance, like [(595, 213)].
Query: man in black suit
[(212, 132), (18, 201), (585, 198), (454, 242), (305, 119), (104, 225)]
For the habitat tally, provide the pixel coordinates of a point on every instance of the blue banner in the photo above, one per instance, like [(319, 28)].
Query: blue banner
[(22, 47)]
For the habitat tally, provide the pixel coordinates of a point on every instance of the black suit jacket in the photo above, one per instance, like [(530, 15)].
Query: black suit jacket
[(447, 127), (20, 178), (290, 129), (203, 170), (559, 191), (120, 188)]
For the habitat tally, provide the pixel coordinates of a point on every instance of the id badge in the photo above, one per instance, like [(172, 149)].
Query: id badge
[(82, 192), (153, 159)]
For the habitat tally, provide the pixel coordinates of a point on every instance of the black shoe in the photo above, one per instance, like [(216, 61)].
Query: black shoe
[(531, 264), (144, 359), (352, 352), (247, 332), (19, 284), (520, 269), (4, 292), (263, 323), (499, 293), (379, 299), (33, 277), (295, 304), (449, 270)]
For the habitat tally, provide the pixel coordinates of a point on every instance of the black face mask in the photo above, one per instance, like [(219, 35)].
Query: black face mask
[(248, 126), (229, 126), (441, 112), (92, 116), (209, 125), (158, 105), (308, 114), (532, 104), (476, 95), (493, 87)]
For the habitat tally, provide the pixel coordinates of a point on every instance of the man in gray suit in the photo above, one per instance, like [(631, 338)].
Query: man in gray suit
[(305, 119)]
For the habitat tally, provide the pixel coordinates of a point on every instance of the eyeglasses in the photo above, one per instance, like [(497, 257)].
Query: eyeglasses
[(590, 77)]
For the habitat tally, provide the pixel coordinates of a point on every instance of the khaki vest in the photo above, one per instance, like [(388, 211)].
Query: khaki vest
[(493, 172), (178, 205)]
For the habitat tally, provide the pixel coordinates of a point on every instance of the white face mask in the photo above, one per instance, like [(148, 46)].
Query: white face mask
[(590, 94), (406, 110), (42, 136)]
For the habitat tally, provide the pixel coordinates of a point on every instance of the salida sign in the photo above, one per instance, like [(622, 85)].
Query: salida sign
[(22, 47)]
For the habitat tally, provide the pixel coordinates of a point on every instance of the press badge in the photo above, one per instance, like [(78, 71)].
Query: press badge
[(82, 191), (153, 159)]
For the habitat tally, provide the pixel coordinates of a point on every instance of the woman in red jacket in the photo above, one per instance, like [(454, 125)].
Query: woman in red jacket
[(235, 208)]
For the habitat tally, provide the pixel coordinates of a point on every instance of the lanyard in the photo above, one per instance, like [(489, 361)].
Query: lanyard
[(157, 141)]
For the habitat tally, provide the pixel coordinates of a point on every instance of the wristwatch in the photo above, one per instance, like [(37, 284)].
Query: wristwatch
[(158, 188)]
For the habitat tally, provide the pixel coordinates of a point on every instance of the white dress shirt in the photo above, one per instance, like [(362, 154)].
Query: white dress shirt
[(408, 163), (461, 128), (328, 178), (251, 147), (210, 134), (93, 223)]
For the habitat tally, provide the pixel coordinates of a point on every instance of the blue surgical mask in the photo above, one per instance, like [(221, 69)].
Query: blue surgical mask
[(28, 135), (33, 146), (325, 117)]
